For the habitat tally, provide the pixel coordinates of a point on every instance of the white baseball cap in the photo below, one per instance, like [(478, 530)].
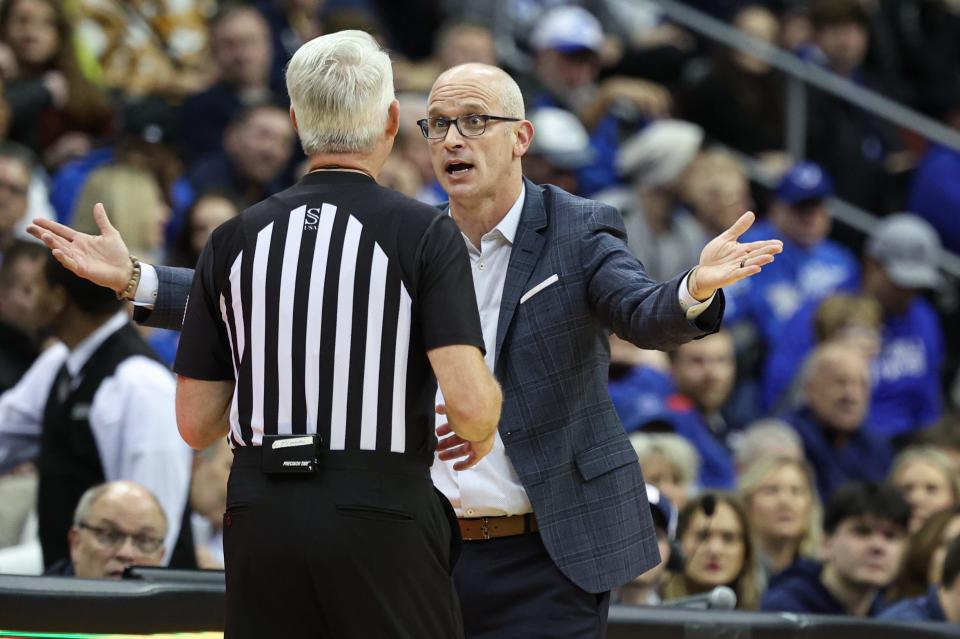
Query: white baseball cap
[(560, 137), (568, 29)]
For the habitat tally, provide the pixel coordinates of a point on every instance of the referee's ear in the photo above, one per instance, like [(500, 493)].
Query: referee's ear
[(393, 119)]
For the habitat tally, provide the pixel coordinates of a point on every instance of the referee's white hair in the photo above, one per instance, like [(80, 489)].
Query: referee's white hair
[(341, 87)]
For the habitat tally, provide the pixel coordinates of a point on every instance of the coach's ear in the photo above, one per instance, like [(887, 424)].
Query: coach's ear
[(393, 119), (524, 136), (293, 118)]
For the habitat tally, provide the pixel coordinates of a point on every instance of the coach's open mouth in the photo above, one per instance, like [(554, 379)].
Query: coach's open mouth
[(457, 167)]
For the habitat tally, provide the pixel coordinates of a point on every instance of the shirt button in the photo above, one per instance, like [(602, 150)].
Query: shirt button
[(470, 511), (481, 266)]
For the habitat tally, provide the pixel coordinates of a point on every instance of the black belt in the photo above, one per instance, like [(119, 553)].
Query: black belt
[(407, 463)]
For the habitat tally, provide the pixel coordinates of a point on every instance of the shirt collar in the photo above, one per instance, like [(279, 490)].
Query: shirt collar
[(508, 225), (85, 349)]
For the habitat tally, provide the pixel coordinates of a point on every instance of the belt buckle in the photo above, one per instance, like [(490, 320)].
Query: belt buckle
[(484, 527)]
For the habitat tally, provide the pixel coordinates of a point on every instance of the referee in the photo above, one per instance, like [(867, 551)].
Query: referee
[(316, 323)]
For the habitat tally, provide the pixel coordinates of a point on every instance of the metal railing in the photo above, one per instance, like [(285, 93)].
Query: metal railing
[(801, 75)]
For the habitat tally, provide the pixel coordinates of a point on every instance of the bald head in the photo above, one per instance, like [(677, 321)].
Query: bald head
[(494, 80), (837, 386), (480, 170), (117, 524)]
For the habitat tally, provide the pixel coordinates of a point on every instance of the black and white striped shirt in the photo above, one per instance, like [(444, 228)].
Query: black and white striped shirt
[(322, 302)]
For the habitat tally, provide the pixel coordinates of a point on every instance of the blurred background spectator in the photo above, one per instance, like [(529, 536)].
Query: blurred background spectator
[(780, 497), (718, 550), (240, 48), (837, 442), (704, 371), (254, 162), (923, 558), (559, 149), (928, 479), (115, 525), (766, 437), (660, 230), (670, 464), (942, 601), (19, 340), (55, 109), (138, 209)]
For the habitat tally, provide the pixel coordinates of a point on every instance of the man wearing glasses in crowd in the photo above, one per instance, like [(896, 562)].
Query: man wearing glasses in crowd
[(117, 524), (557, 514)]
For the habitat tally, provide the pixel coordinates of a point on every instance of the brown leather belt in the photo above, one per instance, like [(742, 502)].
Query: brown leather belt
[(480, 528)]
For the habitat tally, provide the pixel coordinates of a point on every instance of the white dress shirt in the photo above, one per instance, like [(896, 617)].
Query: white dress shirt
[(132, 418), (492, 487), (147, 287)]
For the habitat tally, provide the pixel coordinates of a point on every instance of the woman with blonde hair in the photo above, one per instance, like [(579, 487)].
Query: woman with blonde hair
[(718, 550), (929, 481), (779, 494), (669, 462), (136, 203)]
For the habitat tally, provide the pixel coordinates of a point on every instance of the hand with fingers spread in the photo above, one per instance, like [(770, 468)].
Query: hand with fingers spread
[(725, 261), (451, 446), (103, 259)]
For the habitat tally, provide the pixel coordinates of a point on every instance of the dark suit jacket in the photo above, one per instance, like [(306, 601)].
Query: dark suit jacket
[(558, 424)]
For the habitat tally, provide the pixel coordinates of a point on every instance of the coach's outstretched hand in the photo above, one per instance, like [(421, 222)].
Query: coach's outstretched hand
[(725, 260), (103, 259)]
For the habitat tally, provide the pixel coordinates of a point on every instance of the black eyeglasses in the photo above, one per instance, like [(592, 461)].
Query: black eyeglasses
[(469, 126), (112, 538)]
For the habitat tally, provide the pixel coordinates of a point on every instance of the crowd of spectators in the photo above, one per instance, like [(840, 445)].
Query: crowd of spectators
[(807, 455)]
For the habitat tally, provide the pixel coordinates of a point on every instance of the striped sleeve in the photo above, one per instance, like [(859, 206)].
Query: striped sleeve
[(446, 301)]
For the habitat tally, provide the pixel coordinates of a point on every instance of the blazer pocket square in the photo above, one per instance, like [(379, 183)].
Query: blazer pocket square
[(553, 279)]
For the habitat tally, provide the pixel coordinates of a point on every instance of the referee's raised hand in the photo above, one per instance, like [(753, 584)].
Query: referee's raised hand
[(103, 259)]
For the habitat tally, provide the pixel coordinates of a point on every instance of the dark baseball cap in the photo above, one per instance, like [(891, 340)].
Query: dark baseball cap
[(805, 181)]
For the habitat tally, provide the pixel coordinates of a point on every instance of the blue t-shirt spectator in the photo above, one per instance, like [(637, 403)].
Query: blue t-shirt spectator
[(935, 193), (864, 457), (925, 608)]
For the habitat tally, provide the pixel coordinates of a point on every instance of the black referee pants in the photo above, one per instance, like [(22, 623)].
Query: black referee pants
[(361, 548)]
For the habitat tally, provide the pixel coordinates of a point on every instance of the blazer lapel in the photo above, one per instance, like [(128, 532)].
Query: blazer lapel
[(527, 246)]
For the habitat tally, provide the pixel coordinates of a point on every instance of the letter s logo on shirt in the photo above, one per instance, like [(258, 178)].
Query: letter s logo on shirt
[(310, 219)]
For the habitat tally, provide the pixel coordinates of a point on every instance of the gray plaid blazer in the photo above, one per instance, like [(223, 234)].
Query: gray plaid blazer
[(558, 425)]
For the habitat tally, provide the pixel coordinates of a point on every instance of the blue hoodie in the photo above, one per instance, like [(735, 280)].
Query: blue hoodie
[(935, 193), (925, 608), (905, 374), (799, 589)]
